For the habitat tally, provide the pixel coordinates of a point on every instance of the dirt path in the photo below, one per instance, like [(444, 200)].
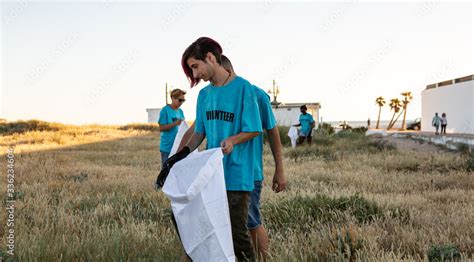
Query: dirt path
[(407, 144)]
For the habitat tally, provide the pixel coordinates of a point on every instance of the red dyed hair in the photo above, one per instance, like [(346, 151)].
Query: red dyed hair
[(198, 50)]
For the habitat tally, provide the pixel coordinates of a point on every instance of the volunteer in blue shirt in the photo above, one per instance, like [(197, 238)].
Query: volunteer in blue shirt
[(227, 116), (307, 124), (257, 231), (171, 117)]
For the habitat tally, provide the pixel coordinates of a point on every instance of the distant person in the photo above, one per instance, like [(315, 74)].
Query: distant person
[(444, 123), (436, 122), (171, 117), (307, 124), (368, 123), (344, 125)]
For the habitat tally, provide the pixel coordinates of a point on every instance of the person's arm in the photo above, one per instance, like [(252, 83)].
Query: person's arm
[(228, 144), (297, 124), (195, 140), (187, 135), (279, 181), (169, 126)]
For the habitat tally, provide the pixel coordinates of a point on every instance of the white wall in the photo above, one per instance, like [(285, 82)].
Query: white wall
[(286, 116), (153, 114), (291, 116), (457, 101)]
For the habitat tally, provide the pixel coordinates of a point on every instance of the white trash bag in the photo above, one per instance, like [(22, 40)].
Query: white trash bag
[(183, 127), (293, 134), (196, 188)]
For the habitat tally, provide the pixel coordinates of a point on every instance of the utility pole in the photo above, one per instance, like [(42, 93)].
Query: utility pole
[(275, 91)]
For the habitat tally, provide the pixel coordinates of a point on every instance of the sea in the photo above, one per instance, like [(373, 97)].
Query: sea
[(383, 123)]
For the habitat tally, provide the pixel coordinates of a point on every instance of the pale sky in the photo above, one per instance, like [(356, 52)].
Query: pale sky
[(107, 61)]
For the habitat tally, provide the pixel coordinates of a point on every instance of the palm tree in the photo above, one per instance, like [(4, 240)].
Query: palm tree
[(396, 119), (380, 101), (395, 105), (406, 100)]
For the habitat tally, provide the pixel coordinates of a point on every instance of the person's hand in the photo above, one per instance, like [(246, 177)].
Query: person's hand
[(160, 180), (178, 122), (227, 146), (279, 181)]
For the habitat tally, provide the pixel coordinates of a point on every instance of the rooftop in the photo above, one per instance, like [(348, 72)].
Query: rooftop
[(452, 81)]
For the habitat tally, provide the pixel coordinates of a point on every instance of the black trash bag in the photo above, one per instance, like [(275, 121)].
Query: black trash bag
[(165, 170)]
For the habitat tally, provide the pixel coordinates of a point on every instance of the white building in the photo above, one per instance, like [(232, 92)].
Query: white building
[(153, 114), (455, 98), (289, 114)]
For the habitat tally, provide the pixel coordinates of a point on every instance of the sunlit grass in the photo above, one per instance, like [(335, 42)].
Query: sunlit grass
[(85, 193)]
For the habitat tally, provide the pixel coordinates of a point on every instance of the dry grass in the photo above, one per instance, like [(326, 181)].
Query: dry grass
[(85, 193)]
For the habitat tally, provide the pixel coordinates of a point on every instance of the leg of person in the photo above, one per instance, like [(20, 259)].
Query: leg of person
[(309, 138), (300, 140), (257, 231), (164, 157), (238, 210), (437, 128)]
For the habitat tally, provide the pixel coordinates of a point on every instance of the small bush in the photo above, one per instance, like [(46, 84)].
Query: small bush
[(326, 128), (142, 127), (470, 162), (349, 134), (405, 166), (381, 145), (361, 130), (8, 128), (301, 212), (323, 140), (284, 139), (463, 148), (325, 152), (443, 253)]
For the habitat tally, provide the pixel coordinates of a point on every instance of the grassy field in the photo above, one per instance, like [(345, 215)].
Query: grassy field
[(85, 193)]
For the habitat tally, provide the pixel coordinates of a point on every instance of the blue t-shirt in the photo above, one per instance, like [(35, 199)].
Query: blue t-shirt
[(268, 122), (169, 115), (306, 121), (226, 111)]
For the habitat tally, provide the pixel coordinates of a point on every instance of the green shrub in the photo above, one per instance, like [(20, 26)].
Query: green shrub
[(381, 145), (443, 253), (8, 128), (361, 130), (463, 148), (301, 212), (326, 128), (349, 134), (325, 152), (283, 130), (323, 140), (470, 162)]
